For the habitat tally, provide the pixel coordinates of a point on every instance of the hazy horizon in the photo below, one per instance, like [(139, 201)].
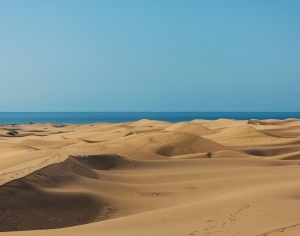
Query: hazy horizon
[(149, 56)]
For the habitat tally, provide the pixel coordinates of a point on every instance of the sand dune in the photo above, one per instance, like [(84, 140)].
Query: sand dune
[(172, 143), (243, 131), (190, 127), (44, 199), (201, 177), (151, 123), (270, 150), (287, 156), (280, 130), (42, 144), (219, 125), (287, 122)]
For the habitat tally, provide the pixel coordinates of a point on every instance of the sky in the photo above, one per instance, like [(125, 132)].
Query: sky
[(138, 55)]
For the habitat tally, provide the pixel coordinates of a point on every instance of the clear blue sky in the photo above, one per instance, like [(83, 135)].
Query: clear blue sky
[(135, 55)]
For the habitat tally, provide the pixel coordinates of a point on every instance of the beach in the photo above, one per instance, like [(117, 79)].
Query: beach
[(151, 177)]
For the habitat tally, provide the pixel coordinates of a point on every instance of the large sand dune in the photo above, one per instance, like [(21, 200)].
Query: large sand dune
[(147, 177)]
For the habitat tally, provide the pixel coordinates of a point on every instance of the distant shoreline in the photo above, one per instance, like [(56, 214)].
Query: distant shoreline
[(119, 117)]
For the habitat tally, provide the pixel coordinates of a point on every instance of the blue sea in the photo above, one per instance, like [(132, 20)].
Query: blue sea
[(117, 117)]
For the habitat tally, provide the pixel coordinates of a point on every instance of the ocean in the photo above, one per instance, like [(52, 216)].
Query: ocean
[(117, 117)]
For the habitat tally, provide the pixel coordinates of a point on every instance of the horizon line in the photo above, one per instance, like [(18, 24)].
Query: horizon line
[(149, 111)]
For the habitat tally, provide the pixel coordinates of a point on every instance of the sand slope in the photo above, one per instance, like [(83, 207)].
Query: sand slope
[(221, 177)]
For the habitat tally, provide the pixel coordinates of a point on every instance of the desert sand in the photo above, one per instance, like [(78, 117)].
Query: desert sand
[(148, 177)]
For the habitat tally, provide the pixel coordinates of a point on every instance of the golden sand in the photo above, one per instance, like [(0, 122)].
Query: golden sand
[(222, 177)]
